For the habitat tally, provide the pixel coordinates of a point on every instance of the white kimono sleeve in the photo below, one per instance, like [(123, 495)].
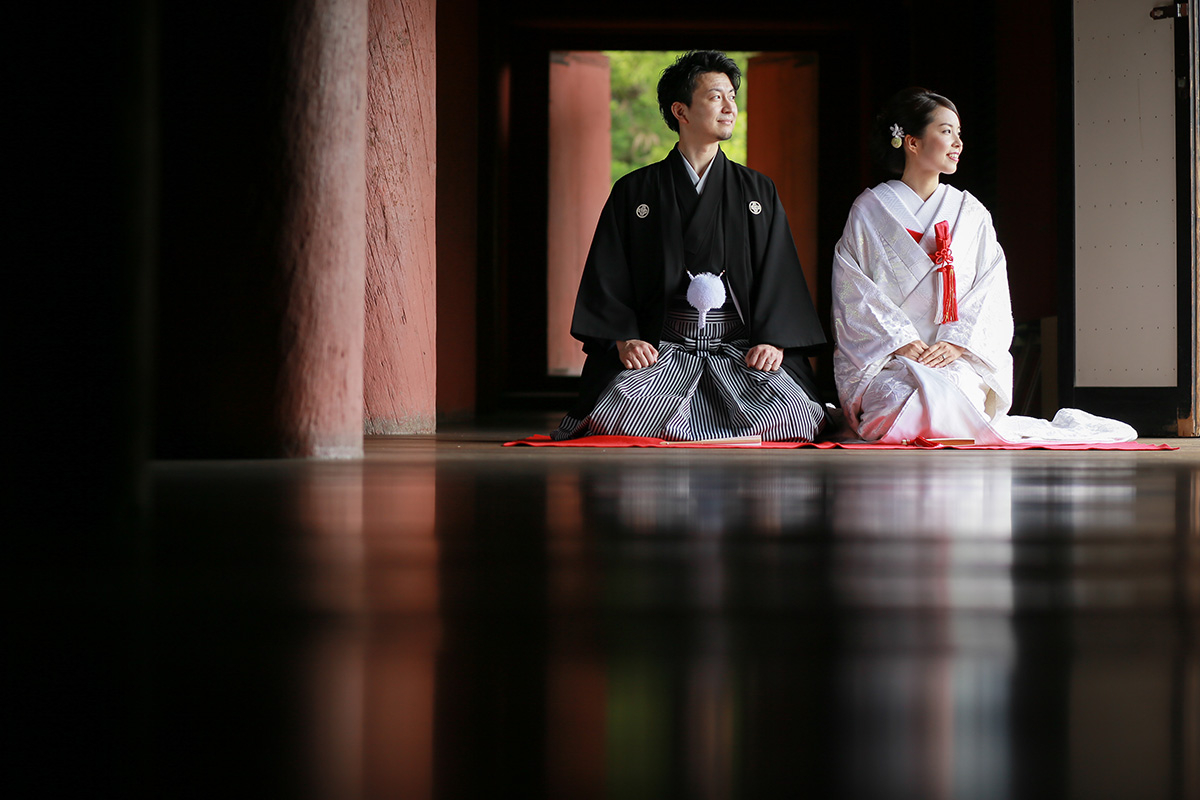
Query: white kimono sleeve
[(868, 323)]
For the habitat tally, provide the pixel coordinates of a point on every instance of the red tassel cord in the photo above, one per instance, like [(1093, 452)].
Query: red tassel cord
[(943, 259)]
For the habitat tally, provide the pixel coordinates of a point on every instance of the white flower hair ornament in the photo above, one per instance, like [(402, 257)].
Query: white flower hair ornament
[(897, 136)]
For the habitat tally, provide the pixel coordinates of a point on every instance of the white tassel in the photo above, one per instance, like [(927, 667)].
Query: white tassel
[(706, 292)]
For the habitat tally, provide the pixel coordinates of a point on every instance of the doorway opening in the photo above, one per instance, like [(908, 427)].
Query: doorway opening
[(604, 122)]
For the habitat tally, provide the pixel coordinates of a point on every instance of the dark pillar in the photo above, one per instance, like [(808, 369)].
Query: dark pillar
[(457, 205), (263, 232), (79, 251), (79, 241)]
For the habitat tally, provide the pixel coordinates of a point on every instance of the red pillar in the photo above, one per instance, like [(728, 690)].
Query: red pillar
[(262, 256), (323, 252), (781, 142), (400, 365), (580, 176)]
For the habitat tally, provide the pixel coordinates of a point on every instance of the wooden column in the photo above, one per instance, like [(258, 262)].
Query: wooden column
[(79, 251), (580, 177), (262, 257), (400, 364), (458, 111), (782, 143)]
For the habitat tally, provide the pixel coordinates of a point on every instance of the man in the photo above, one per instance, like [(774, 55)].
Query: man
[(688, 226)]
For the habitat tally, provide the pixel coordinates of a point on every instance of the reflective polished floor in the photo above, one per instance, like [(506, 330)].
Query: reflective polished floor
[(449, 618)]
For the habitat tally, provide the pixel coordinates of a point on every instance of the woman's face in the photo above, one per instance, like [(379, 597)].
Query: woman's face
[(939, 146)]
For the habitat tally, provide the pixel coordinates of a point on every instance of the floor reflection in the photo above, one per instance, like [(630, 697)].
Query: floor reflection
[(716, 708), (438, 626)]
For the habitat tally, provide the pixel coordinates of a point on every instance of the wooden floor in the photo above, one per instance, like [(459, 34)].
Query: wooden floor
[(450, 618)]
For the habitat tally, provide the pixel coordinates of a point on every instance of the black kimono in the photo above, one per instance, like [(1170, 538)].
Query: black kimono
[(654, 229)]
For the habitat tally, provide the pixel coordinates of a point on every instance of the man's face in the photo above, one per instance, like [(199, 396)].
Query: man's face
[(713, 110)]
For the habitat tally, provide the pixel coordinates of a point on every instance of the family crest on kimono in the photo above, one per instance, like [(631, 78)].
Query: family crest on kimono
[(922, 318), (692, 307)]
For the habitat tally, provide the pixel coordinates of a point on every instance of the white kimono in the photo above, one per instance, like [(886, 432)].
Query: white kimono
[(887, 292)]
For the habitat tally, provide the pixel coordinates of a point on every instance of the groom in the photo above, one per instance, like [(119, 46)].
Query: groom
[(693, 212)]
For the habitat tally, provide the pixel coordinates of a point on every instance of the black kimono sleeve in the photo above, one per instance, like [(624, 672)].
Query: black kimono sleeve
[(604, 306), (783, 312), (781, 309)]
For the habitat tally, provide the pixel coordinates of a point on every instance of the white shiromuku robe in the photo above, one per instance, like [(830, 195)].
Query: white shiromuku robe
[(887, 292)]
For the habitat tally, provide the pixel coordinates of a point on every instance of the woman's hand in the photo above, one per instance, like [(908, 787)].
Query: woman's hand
[(912, 350), (635, 354), (940, 354), (764, 357)]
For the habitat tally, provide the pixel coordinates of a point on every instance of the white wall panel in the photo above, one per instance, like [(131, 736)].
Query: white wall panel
[(1125, 255)]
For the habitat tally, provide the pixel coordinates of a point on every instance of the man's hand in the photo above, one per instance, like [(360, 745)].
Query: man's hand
[(635, 354), (764, 357), (940, 354)]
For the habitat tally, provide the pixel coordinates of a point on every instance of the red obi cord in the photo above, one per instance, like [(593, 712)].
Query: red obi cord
[(943, 259)]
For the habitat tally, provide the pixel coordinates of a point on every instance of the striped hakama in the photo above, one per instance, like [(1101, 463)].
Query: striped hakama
[(700, 388)]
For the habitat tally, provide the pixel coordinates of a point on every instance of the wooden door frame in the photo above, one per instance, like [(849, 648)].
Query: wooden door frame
[(1153, 411), (514, 234)]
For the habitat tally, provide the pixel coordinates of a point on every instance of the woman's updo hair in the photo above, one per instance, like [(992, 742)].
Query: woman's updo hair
[(912, 109)]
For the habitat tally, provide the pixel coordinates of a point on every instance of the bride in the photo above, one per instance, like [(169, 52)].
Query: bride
[(921, 310)]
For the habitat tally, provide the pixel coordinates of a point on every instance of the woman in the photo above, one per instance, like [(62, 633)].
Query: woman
[(921, 311)]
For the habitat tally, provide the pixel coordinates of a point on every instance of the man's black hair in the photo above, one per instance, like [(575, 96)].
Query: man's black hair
[(678, 81)]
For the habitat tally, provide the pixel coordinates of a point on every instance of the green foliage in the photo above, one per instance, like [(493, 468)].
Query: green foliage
[(639, 134)]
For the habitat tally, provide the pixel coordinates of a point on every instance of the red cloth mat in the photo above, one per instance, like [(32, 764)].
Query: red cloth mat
[(541, 440)]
